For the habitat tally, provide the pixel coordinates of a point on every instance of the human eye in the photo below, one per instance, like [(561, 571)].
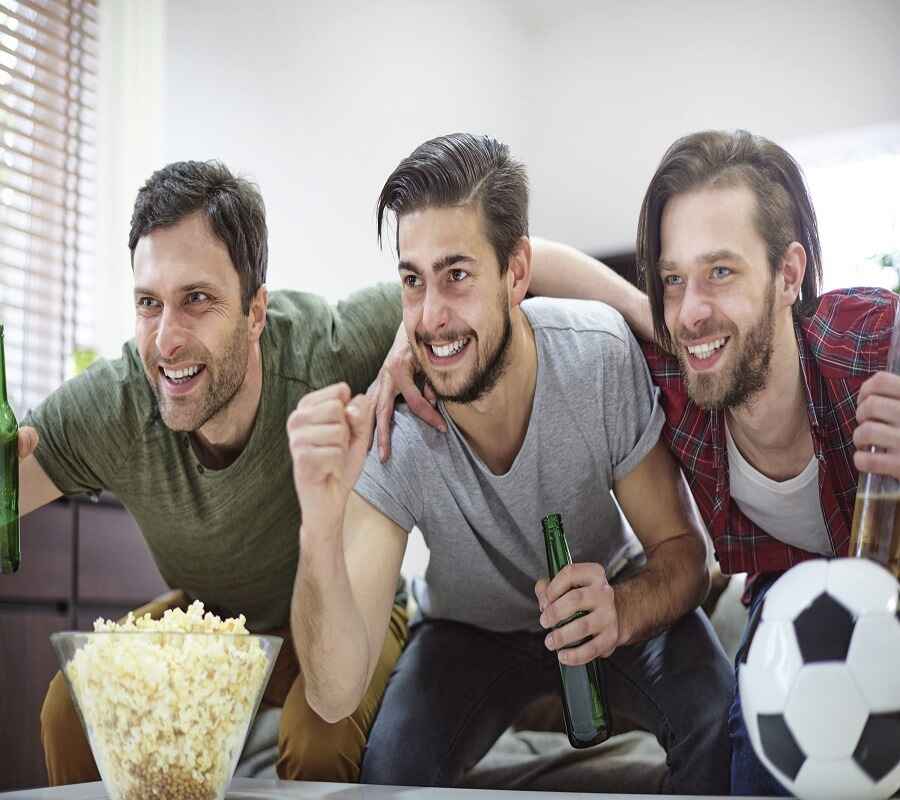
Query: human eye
[(145, 303), (197, 297), (457, 275), (671, 281), (720, 271), (411, 281)]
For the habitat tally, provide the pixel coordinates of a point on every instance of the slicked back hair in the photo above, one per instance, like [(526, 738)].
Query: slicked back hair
[(724, 159), (457, 170), (233, 207)]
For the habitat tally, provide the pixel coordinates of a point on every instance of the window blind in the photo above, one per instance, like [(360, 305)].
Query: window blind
[(48, 70)]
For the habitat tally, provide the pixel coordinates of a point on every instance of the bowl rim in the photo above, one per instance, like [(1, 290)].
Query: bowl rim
[(268, 636)]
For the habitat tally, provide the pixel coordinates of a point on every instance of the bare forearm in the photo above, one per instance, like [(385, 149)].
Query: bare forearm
[(329, 632), (674, 582), (562, 271)]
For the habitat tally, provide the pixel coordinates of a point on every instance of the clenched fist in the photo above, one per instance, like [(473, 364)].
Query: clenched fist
[(329, 435)]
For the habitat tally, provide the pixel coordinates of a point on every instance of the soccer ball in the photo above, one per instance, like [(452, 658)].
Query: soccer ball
[(820, 680)]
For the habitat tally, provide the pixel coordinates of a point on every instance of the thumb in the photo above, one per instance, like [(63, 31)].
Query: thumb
[(28, 441), (361, 418)]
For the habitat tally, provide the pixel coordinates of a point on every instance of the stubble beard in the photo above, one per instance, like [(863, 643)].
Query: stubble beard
[(226, 373), (750, 371), (484, 377)]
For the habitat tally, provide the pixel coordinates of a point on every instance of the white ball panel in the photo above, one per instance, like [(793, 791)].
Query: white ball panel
[(874, 661), (863, 586), (825, 711), (795, 590), (772, 666), (833, 780)]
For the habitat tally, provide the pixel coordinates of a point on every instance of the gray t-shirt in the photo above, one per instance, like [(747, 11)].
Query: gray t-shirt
[(594, 417)]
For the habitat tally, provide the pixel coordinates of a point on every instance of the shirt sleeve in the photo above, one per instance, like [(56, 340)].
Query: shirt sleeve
[(88, 426), (633, 416), (393, 487), (365, 325)]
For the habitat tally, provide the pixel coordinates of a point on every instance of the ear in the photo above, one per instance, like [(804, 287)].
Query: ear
[(793, 268), (518, 273), (258, 306)]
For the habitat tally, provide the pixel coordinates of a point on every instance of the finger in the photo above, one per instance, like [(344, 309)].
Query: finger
[(429, 393), (571, 633), (361, 418), (333, 435), (602, 645), (881, 383), (320, 413), (878, 463), (540, 591), (568, 605), (384, 418), (879, 408), (28, 441), (572, 576), (876, 434), (336, 391), (425, 411)]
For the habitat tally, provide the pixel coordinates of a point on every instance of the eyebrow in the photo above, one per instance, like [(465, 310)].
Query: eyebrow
[(441, 264), (712, 256), (186, 289)]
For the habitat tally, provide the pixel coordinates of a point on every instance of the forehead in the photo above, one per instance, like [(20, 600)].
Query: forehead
[(430, 231), (710, 220), (186, 251)]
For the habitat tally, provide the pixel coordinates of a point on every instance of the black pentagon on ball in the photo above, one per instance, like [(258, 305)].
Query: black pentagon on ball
[(824, 629), (779, 744), (878, 749)]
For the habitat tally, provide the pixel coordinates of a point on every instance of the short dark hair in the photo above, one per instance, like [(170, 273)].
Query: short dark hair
[(463, 169), (233, 206), (718, 159)]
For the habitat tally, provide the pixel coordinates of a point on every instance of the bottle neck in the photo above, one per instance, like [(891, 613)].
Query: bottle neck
[(555, 541), (3, 399)]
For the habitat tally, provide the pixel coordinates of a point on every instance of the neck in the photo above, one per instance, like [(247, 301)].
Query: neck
[(495, 425), (222, 437), (772, 428)]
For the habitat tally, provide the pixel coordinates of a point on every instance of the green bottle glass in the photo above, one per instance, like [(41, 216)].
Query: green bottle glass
[(583, 694), (9, 476)]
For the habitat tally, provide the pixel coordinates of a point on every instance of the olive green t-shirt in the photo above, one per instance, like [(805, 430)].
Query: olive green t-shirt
[(228, 537)]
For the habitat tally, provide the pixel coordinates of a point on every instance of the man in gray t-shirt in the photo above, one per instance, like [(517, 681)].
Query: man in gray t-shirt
[(548, 406)]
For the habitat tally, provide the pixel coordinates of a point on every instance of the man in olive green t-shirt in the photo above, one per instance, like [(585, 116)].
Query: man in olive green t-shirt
[(187, 429)]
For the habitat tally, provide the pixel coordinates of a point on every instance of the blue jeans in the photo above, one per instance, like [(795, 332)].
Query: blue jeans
[(456, 688), (749, 776)]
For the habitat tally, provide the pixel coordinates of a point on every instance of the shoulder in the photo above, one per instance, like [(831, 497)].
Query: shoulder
[(849, 333), (557, 318), (311, 341)]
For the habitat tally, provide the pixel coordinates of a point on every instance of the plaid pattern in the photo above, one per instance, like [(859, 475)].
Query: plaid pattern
[(841, 344)]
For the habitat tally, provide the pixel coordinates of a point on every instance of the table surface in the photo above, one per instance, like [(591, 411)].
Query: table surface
[(253, 789)]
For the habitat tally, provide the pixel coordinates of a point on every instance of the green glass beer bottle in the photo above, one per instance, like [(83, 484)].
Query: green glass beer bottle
[(9, 476), (583, 696)]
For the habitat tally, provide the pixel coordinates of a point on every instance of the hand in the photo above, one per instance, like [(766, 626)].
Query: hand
[(878, 414), (396, 376), (28, 441), (579, 587), (329, 437)]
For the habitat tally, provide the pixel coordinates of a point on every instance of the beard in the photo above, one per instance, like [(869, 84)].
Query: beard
[(487, 371), (226, 376), (737, 384)]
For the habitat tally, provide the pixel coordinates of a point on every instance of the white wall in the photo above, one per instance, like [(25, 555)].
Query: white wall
[(318, 102)]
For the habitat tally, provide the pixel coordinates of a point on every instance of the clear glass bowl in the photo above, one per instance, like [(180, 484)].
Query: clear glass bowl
[(166, 714)]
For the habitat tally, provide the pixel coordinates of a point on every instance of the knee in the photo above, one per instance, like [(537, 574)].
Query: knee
[(58, 712), (315, 750)]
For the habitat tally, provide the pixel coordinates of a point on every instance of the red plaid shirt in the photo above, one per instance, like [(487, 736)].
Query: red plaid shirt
[(841, 344)]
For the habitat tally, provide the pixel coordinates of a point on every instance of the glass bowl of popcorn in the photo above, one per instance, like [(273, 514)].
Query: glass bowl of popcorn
[(166, 704)]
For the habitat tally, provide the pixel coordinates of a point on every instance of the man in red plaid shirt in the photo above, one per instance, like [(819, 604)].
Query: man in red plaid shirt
[(773, 394)]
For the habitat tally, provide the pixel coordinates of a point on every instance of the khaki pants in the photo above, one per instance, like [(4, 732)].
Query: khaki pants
[(308, 747)]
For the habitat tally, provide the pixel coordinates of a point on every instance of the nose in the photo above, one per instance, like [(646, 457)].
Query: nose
[(695, 307), (434, 311), (169, 333)]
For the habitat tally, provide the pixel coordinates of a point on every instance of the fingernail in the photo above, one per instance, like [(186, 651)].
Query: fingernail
[(548, 641), (543, 621)]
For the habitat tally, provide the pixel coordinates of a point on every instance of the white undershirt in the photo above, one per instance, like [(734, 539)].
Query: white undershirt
[(790, 511)]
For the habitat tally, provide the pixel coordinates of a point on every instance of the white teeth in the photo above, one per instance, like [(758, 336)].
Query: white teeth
[(175, 374), (707, 349), (448, 349)]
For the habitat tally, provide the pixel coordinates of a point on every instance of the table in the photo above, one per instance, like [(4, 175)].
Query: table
[(254, 789)]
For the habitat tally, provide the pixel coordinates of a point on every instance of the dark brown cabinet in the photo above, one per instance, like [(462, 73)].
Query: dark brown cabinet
[(81, 559)]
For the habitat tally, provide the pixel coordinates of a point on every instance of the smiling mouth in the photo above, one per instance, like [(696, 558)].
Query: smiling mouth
[(702, 352), (182, 376), (449, 349)]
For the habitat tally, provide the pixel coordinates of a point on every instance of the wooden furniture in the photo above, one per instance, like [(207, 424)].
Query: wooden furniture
[(81, 558)]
